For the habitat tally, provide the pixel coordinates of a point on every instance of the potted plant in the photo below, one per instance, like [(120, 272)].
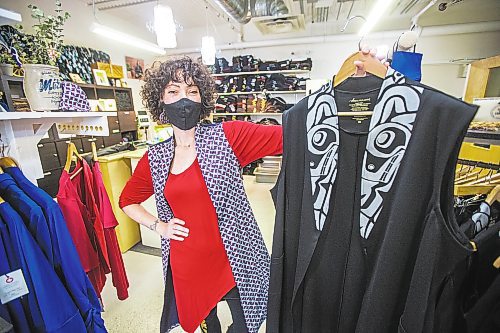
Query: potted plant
[(6, 63), (39, 53)]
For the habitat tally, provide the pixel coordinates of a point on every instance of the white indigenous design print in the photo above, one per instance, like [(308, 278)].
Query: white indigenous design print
[(323, 143), (390, 132)]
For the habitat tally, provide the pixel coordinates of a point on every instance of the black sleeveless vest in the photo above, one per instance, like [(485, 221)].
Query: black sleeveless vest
[(402, 239)]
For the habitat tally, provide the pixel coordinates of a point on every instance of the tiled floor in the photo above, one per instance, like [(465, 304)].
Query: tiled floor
[(141, 312)]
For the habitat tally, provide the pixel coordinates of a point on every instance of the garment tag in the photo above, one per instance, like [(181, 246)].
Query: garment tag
[(360, 104), (360, 119), (12, 286)]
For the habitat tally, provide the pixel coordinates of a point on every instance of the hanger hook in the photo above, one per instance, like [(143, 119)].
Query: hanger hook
[(347, 23)]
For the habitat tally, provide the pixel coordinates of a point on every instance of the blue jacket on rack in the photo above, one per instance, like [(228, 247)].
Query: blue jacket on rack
[(9, 262), (66, 260), (30, 213), (51, 308)]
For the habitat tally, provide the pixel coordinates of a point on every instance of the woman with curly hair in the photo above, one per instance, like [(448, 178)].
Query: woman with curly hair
[(212, 248)]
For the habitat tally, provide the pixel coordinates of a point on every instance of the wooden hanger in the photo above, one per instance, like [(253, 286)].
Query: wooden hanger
[(348, 69), (493, 196), (8, 162), (486, 180), (94, 151), (72, 150), (468, 177)]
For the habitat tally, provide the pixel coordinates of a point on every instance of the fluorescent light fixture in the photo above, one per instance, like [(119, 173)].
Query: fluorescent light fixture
[(125, 38), (164, 27), (208, 50), (376, 13)]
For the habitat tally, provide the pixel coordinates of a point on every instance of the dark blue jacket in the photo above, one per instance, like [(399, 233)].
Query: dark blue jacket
[(66, 260), (30, 213), (8, 263), (50, 306)]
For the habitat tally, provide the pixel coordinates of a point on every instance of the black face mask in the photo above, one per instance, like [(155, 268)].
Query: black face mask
[(183, 114)]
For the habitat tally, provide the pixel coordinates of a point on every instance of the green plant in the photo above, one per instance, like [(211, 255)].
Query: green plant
[(43, 47), (6, 57)]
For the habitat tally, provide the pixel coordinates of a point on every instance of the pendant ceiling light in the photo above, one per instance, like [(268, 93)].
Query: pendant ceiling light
[(207, 45), (164, 27), (208, 50)]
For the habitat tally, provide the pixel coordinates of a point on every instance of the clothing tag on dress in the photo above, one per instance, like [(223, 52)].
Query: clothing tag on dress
[(360, 119), (12, 286), (360, 104)]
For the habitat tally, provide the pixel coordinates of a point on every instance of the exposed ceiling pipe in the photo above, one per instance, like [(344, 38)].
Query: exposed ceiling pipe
[(236, 9), (277, 8), (453, 29)]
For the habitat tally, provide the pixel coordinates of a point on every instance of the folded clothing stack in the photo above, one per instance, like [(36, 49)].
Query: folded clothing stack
[(248, 63)]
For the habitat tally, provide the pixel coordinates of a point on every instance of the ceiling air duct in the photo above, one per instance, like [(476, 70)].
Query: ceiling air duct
[(268, 8), (236, 9)]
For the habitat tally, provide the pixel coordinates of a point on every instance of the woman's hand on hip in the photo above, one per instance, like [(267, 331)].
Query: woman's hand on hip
[(173, 229)]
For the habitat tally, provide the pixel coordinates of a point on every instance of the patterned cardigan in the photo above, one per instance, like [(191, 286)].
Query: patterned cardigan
[(243, 242)]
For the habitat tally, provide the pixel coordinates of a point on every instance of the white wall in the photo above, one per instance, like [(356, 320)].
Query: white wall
[(327, 57)]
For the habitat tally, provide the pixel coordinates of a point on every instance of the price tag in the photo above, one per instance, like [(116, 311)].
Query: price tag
[(12, 286)]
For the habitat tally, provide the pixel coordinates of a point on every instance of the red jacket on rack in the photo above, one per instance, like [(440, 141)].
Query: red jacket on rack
[(118, 274), (77, 202)]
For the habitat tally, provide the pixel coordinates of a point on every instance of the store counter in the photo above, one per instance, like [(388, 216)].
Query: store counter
[(149, 237), (116, 171)]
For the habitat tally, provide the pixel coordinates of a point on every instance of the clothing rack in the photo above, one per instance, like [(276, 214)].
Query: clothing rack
[(478, 164)]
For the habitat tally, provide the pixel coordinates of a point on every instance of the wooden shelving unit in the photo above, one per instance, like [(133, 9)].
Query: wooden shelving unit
[(285, 72), (263, 92), (248, 114)]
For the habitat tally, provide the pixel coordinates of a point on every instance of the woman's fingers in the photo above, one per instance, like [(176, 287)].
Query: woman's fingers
[(183, 229), (181, 233), (177, 238), (176, 229)]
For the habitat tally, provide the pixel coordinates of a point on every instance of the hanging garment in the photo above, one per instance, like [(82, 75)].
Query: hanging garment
[(30, 212), (478, 308), (13, 310), (366, 204), (118, 274), (66, 261), (50, 307), (245, 143), (77, 202)]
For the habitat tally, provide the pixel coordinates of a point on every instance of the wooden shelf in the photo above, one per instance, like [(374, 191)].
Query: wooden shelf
[(52, 115), (22, 131), (288, 71), (263, 92), (248, 114)]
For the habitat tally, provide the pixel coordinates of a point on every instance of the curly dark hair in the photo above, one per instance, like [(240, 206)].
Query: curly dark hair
[(184, 70)]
